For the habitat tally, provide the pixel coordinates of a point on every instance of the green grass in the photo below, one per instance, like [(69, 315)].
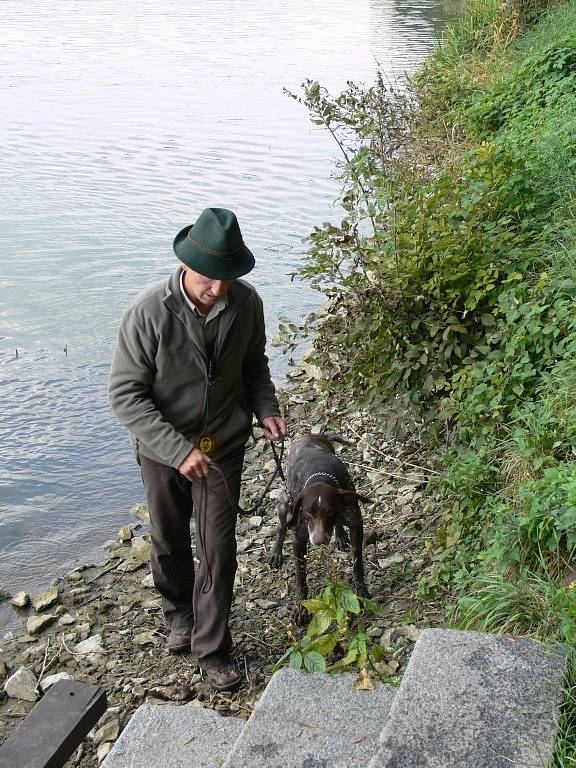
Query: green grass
[(565, 751)]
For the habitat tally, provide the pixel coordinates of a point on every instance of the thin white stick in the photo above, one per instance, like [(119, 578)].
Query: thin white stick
[(381, 471), (394, 458), (43, 666)]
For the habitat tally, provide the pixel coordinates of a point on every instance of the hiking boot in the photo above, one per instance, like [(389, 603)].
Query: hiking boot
[(179, 639), (221, 672)]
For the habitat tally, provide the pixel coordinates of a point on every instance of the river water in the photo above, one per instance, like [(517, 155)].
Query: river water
[(120, 122)]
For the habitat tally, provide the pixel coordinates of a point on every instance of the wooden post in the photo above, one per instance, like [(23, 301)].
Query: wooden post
[(55, 727)]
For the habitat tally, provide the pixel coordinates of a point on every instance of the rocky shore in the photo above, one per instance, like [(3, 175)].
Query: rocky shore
[(102, 623)]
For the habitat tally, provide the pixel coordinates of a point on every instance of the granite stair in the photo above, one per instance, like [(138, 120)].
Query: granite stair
[(168, 736), (466, 700), (474, 700), (314, 720)]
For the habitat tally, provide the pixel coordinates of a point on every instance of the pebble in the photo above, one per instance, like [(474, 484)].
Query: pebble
[(22, 685), (20, 600), (141, 548), (128, 566), (74, 576), (49, 681), (36, 624), (92, 645), (103, 751), (148, 581), (125, 533), (410, 631), (146, 638), (3, 669), (66, 619), (45, 599), (140, 512), (108, 732), (386, 562)]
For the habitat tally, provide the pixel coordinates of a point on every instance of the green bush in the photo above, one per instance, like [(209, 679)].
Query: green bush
[(452, 286), (541, 81), (540, 532)]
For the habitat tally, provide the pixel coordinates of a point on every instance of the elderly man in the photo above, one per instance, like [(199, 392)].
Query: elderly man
[(189, 370)]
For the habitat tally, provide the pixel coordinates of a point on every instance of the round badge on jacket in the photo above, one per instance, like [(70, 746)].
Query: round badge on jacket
[(206, 442)]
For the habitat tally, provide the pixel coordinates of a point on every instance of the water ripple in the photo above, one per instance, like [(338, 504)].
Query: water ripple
[(121, 121)]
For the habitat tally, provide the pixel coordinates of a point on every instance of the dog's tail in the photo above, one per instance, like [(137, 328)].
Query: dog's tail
[(338, 439)]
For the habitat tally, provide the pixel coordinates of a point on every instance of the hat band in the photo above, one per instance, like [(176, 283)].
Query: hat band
[(219, 254)]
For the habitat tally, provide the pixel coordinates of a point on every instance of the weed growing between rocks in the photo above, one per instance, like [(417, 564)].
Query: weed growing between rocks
[(339, 637)]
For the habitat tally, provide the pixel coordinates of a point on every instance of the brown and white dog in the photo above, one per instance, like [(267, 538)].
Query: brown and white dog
[(321, 499)]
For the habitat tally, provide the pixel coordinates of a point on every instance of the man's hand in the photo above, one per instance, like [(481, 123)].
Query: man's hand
[(273, 427), (196, 464)]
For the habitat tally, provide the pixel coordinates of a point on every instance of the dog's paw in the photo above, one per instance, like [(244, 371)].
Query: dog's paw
[(342, 542), (300, 616), (276, 559)]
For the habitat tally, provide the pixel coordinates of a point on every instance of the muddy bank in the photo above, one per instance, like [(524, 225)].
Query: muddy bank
[(102, 623)]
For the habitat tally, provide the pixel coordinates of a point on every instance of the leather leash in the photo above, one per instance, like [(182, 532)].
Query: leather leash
[(201, 513)]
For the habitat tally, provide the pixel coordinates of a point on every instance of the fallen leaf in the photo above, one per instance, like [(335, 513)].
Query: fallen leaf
[(364, 682)]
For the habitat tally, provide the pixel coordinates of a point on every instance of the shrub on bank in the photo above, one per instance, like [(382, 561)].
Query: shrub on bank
[(452, 287)]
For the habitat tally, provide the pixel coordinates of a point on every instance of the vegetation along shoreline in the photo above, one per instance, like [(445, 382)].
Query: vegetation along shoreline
[(444, 351)]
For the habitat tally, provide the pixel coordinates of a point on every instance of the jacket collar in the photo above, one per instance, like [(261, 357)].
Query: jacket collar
[(237, 294)]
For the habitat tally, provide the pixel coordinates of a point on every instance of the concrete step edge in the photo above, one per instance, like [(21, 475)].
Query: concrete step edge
[(510, 688), (312, 719)]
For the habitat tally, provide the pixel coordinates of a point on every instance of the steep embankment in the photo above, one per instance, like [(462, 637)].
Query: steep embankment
[(453, 290), (453, 294)]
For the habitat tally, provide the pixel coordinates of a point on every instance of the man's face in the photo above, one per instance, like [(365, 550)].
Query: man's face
[(204, 289)]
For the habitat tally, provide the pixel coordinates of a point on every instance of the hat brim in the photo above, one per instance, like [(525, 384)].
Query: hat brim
[(214, 267)]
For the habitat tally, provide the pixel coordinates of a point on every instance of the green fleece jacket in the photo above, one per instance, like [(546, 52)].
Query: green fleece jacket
[(163, 389)]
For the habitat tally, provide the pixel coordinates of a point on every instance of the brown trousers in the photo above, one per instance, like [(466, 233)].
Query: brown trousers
[(202, 599)]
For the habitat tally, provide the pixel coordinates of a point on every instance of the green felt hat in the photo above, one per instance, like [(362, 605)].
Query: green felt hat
[(213, 246)]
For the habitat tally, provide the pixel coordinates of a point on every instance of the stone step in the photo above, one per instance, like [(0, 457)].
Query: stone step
[(312, 720), (168, 736), (474, 700)]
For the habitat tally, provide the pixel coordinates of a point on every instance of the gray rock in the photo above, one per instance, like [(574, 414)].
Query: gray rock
[(92, 645), (130, 565), (49, 681), (45, 599), (36, 624), (165, 736), (103, 751), (146, 638), (471, 700), (125, 533), (74, 576), (141, 548), (312, 720), (148, 581), (107, 732), (22, 685), (20, 599), (66, 620), (140, 511)]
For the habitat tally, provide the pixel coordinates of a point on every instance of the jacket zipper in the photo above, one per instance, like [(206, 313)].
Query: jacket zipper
[(207, 395)]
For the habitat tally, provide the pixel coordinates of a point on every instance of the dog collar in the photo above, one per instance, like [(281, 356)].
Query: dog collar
[(320, 474)]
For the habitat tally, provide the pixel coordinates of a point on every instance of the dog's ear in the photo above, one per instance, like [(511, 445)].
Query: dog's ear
[(351, 497), (295, 511)]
